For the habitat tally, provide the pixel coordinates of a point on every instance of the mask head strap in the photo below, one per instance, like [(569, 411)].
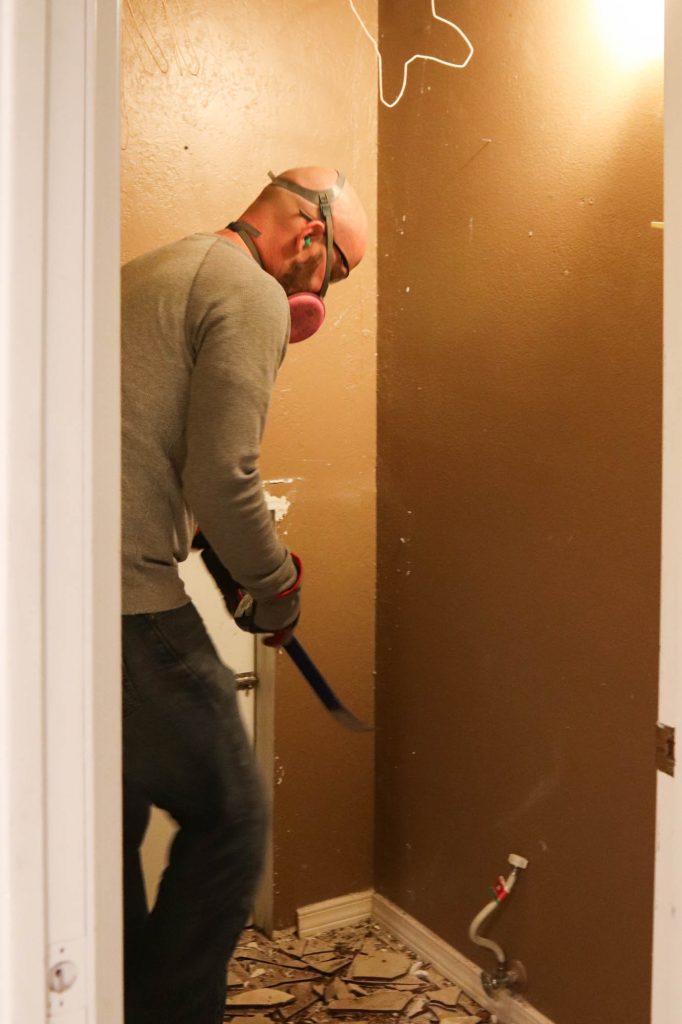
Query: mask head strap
[(305, 309), (247, 233), (323, 200)]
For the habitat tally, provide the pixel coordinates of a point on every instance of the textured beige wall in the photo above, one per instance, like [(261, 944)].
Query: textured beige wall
[(519, 494), (216, 93)]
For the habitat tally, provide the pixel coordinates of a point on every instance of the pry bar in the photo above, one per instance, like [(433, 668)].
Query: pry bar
[(322, 689)]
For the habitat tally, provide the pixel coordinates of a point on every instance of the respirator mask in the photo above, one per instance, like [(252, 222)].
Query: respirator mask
[(306, 308)]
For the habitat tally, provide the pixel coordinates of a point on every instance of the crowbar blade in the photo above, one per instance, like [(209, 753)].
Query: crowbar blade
[(322, 689)]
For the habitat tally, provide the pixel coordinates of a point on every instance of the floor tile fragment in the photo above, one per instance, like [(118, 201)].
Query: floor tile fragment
[(449, 996), (305, 998), (261, 997), (385, 1001), (385, 966), (462, 1019), (358, 974), (236, 975), (327, 966), (257, 1018)]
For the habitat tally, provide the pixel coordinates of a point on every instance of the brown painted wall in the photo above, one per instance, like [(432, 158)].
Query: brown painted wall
[(519, 492), (215, 93)]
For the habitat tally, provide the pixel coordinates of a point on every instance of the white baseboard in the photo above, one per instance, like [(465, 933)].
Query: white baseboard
[(428, 946), (343, 910)]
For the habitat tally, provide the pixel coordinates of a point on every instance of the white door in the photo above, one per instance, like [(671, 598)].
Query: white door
[(235, 647)]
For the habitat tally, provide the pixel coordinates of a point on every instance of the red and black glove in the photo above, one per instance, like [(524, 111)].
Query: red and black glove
[(276, 615)]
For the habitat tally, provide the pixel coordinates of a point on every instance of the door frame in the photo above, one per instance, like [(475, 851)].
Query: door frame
[(28, 199), (667, 951), (60, 831)]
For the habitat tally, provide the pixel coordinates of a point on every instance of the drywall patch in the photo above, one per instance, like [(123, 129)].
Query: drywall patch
[(279, 504)]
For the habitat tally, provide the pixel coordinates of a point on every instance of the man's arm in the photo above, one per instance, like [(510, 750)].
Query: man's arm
[(240, 336)]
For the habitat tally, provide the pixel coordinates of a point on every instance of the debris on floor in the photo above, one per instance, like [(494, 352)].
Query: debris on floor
[(360, 974)]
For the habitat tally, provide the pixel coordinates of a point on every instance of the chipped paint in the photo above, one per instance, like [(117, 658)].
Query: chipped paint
[(279, 504)]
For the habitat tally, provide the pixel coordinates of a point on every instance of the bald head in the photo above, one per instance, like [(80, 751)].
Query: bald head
[(291, 238), (349, 219)]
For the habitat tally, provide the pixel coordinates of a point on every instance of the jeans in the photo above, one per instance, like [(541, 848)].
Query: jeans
[(185, 750)]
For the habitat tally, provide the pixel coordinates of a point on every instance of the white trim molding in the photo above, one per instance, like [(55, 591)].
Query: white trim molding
[(335, 913), (22, 772)]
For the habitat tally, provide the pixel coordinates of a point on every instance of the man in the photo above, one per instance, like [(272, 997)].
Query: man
[(205, 326)]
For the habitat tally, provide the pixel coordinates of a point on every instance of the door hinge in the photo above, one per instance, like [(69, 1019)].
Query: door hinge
[(246, 680), (665, 748)]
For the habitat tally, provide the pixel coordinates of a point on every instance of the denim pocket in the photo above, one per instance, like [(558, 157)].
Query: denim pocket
[(192, 670), (131, 700)]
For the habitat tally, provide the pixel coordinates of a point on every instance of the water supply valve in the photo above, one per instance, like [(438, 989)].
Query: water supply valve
[(510, 975)]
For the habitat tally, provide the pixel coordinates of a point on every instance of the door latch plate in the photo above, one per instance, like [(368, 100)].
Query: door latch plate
[(665, 748)]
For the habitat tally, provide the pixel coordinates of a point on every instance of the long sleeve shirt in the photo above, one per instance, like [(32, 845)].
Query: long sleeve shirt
[(204, 331)]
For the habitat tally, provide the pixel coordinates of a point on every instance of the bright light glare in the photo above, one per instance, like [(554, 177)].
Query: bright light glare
[(633, 29)]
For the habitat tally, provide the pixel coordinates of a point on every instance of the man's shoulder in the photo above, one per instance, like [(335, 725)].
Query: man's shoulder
[(191, 250), (226, 263)]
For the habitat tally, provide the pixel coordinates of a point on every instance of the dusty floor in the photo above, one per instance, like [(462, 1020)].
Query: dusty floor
[(359, 974)]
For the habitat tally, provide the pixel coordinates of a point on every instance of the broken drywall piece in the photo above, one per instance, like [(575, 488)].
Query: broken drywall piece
[(272, 957), (261, 997), (379, 966), (236, 976), (257, 1018), (337, 989), (447, 997), (468, 1005), (305, 998), (403, 984), (327, 966), (416, 1007), (385, 1001), (321, 958), (461, 1019), (296, 947), (314, 945), (265, 975)]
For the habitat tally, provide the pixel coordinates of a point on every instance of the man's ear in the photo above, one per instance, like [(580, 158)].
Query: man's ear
[(313, 231)]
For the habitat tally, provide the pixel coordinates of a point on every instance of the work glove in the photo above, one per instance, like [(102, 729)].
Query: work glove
[(276, 615)]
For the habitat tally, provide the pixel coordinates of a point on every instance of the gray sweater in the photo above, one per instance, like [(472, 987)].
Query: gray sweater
[(204, 331)]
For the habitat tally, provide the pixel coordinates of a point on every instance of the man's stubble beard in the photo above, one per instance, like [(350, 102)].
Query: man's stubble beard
[(297, 277)]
